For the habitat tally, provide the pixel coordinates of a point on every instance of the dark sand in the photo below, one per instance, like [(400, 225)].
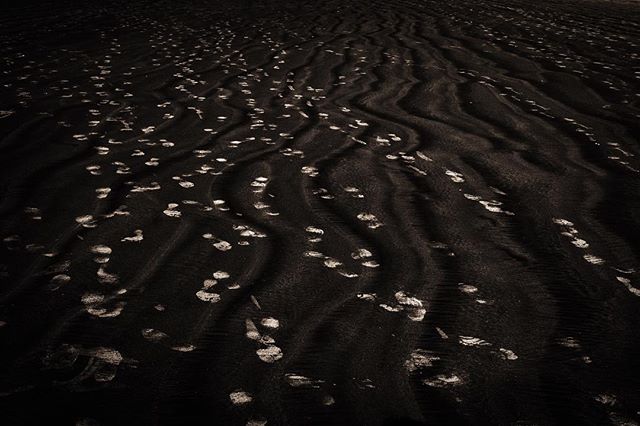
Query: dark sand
[(332, 212)]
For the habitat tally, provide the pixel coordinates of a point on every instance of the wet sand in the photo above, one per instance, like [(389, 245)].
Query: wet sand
[(338, 212)]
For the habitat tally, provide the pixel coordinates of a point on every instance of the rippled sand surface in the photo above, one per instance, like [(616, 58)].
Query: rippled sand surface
[(311, 213)]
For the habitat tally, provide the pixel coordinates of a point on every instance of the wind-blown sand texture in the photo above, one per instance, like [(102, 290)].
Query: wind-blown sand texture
[(334, 212)]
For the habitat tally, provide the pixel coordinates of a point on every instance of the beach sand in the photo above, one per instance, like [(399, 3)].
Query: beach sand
[(313, 213)]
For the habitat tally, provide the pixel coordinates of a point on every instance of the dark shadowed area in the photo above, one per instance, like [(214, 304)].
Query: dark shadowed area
[(329, 212)]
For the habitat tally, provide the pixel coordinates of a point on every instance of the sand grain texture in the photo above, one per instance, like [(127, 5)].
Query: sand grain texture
[(337, 212)]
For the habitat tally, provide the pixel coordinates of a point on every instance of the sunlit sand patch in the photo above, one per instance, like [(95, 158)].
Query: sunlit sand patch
[(154, 186), (423, 156), (201, 153), (270, 322), (92, 298), (595, 260), (288, 152), (467, 288), (34, 248), (361, 254), (569, 342), (171, 210), (252, 332), (105, 277), (606, 399), (310, 171), (120, 211), (331, 263), (382, 141), (508, 354), (370, 264), (219, 244), (102, 365), (254, 300), (153, 335), (203, 170), (298, 381), (441, 333), (94, 170), (472, 341), (102, 150), (240, 397), (197, 111), (86, 221), (497, 191), (390, 308), (355, 192), (312, 253), (314, 231), (627, 283), (270, 354), (413, 306), (93, 301), (419, 359), (571, 232), (136, 238), (360, 141), (60, 279), (183, 348), (370, 219), (122, 168), (580, 243), (443, 381), (220, 275), (220, 205), (208, 283), (455, 176), (34, 212), (101, 249), (102, 192), (246, 231), (494, 207), (209, 297), (260, 183), (370, 297), (323, 193), (491, 205)]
